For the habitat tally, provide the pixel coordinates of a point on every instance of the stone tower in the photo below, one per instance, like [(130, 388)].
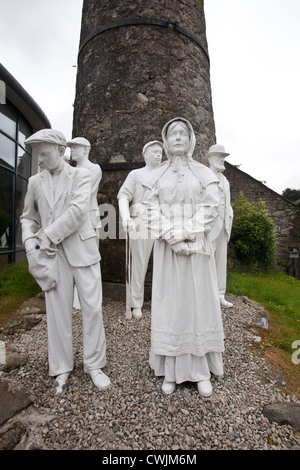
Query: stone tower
[(140, 64)]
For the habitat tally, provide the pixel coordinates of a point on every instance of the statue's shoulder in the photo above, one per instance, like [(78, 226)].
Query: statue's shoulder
[(203, 173), (156, 173), (37, 177)]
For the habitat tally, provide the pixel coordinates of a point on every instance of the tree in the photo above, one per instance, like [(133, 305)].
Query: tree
[(291, 194)]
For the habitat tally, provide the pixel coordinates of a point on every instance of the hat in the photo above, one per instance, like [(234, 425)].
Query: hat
[(217, 150), (153, 142), (79, 141), (50, 136)]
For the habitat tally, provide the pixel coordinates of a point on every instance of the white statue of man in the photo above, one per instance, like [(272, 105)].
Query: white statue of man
[(141, 246), (220, 233), (62, 249), (79, 153)]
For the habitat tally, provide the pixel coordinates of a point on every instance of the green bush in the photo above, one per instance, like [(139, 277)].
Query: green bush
[(253, 235)]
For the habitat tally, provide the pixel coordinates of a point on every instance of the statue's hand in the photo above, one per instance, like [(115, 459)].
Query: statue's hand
[(31, 244), (45, 244), (128, 225), (180, 248)]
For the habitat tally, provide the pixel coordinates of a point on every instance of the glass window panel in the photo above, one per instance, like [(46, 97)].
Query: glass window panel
[(8, 119), (7, 151), (21, 191), (6, 209), (25, 130), (23, 162)]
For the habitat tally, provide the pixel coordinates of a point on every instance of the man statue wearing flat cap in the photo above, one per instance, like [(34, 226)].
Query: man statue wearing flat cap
[(220, 233), (80, 149), (62, 249), (131, 192)]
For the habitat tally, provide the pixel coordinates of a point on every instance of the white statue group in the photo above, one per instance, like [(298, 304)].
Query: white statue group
[(179, 208)]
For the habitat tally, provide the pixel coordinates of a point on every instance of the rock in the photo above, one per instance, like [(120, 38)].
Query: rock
[(27, 316), (13, 361), (261, 322), (20, 322), (256, 339), (12, 436), (33, 306), (142, 99), (283, 413), (12, 401), (117, 159)]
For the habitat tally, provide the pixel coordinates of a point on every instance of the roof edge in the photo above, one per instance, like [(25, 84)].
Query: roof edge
[(25, 103)]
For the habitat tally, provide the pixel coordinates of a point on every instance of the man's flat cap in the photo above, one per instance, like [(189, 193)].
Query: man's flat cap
[(49, 136), (79, 141)]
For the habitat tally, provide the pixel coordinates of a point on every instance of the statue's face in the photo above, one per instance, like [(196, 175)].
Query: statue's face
[(78, 152), (178, 139), (49, 156), (216, 162), (153, 155)]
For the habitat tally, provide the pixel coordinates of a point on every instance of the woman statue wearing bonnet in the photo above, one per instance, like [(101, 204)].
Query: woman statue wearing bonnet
[(186, 324)]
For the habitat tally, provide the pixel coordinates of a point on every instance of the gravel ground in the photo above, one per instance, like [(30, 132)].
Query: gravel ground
[(134, 414)]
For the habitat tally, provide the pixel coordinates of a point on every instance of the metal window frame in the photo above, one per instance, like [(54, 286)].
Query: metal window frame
[(16, 174)]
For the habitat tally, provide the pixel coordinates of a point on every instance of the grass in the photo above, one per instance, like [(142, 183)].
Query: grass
[(16, 286), (280, 295)]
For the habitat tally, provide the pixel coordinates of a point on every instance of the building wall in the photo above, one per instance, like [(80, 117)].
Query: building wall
[(283, 213)]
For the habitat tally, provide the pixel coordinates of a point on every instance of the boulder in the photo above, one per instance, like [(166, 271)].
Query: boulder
[(12, 400), (283, 413)]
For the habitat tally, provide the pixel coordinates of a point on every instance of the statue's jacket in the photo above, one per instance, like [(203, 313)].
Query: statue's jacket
[(63, 215)]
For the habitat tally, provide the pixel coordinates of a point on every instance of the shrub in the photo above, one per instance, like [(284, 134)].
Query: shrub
[(253, 234)]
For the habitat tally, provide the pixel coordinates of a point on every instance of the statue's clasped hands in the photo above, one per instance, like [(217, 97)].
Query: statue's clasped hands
[(44, 244), (179, 243)]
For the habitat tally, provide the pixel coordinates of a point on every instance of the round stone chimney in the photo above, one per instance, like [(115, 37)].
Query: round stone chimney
[(140, 64)]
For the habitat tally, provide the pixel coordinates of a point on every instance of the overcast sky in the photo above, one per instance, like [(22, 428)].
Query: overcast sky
[(254, 47)]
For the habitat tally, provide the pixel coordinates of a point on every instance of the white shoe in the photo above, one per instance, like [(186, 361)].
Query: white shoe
[(224, 303), (168, 387), (136, 313), (204, 388), (101, 380), (61, 379)]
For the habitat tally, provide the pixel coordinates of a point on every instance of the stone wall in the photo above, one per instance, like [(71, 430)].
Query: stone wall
[(283, 213)]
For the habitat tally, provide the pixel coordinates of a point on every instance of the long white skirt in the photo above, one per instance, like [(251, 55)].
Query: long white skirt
[(187, 368), (187, 337)]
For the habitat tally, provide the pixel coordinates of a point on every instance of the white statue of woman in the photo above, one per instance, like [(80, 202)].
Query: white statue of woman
[(186, 324)]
